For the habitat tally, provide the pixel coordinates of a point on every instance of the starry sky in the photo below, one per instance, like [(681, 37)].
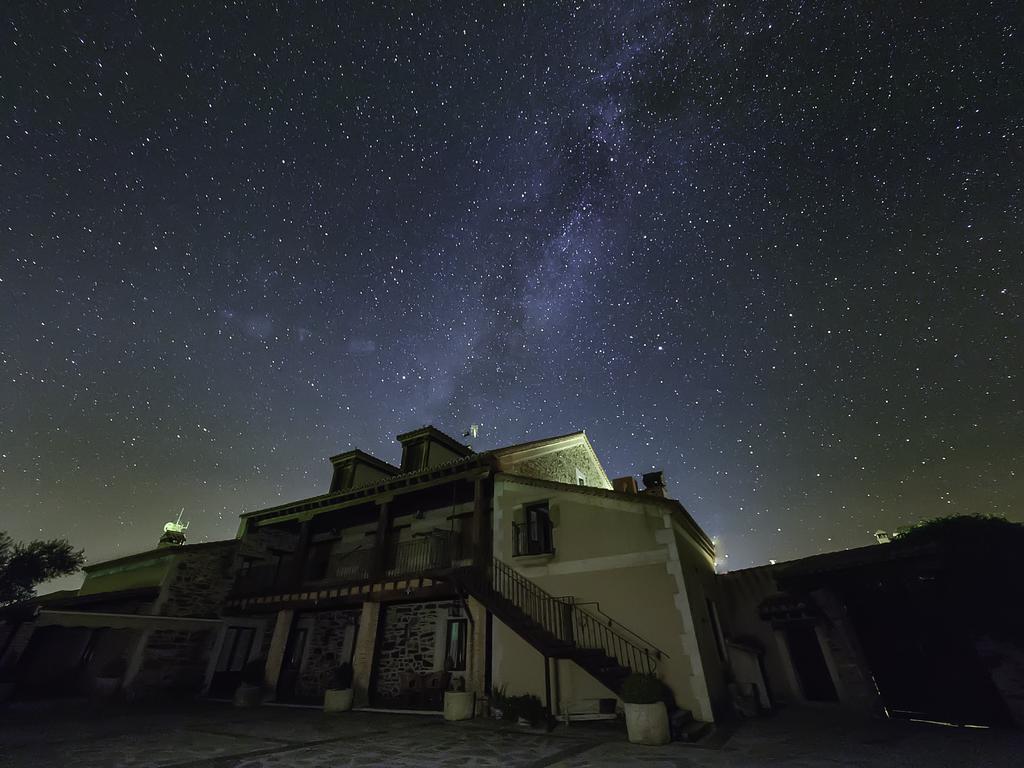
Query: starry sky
[(774, 249)]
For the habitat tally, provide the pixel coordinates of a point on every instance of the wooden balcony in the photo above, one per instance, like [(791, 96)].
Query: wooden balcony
[(423, 555)]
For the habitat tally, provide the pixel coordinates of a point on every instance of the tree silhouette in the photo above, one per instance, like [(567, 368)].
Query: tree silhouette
[(983, 579), (23, 566)]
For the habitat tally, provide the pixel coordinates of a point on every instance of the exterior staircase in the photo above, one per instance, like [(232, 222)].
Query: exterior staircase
[(561, 627)]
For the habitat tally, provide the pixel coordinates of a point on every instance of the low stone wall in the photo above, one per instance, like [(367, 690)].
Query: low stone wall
[(412, 633), (330, 644)]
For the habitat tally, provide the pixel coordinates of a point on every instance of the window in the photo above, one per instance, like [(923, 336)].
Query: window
[(414, 457), (533, 536), (581, 479), (455, 646), (297, 649), (464, 538), (235, 648)]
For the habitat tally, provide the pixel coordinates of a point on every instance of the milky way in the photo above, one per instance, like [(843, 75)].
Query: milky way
[(773, 249)]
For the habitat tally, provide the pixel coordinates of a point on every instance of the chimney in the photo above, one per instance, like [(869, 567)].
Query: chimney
[(654, 483), (625, 484)]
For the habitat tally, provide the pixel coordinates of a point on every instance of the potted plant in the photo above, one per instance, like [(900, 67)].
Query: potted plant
[(497, 701), (459, 704), (338, 696), (526, 710), (643, 697), (250, 691)]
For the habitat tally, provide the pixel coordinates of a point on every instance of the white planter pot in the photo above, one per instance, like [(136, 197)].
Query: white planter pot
[(248, 696), (337, 700), (647, 723), (459, 705)]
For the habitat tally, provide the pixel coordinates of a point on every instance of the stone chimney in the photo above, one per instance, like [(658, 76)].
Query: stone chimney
[(625, 484), (654, 483)]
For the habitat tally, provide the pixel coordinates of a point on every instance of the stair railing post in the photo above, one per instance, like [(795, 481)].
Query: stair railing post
[(547, 686)]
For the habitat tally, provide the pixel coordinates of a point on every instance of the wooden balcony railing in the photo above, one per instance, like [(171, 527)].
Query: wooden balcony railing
[(260, 579), (418, 556), (421, 555)]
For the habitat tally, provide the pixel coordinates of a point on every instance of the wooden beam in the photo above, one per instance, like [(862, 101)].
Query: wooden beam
[(380, 555)]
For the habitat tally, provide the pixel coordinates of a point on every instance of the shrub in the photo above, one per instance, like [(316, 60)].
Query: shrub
[(643, 689), (252, 672), (341, 678), (498, 696), (528, 707)]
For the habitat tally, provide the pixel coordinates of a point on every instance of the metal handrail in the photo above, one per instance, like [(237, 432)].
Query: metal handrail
[(623, 628), (565, 620)]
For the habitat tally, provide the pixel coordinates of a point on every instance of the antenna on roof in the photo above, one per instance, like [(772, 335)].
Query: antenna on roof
[(174, 532), (472, 432), (176, 526)]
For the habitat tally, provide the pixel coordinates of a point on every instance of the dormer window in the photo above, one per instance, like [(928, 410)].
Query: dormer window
[(356, 468), (534, 535), (414, 456), (581, 479), (428, 447)]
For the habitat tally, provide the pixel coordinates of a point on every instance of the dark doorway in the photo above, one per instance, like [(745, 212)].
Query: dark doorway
[(53, 664), (294, 652), (809, 662), (234, 653)]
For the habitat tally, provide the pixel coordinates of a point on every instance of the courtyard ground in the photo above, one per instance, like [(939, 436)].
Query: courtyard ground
[(219, 736)]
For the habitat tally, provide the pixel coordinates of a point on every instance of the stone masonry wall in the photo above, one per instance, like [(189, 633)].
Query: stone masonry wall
[(560, 466), (326, 650), (174, 663), (409, 643), (201, 582)]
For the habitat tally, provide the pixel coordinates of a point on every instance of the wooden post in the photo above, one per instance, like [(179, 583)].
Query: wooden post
[(481, 523), (363, 652), (301, 554), (380, 554), (547, 687), (278, 644)]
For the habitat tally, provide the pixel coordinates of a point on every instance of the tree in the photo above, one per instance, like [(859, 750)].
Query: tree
[(23, 566), (983, 577)]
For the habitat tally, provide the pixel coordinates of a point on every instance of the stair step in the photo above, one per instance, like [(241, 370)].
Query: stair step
[(694, 731)]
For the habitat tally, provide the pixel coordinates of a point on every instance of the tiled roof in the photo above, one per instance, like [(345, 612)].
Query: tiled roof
[(472, 459)]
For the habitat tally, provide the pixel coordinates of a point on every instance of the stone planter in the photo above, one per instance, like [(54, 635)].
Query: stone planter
[(248, 696), (337, 700), (459, 705), (647, 723)]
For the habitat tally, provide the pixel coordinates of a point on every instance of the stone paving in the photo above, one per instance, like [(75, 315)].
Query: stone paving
[(207, 735)]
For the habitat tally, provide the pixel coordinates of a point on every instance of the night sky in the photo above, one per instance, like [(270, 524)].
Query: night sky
[(772, 248)]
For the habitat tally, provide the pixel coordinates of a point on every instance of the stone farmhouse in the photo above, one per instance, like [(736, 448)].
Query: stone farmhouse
[(523, 568)]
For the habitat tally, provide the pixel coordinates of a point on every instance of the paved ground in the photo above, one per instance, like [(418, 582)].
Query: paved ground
[(218, 736)]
